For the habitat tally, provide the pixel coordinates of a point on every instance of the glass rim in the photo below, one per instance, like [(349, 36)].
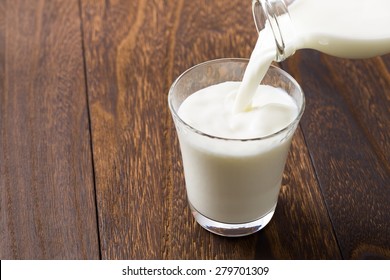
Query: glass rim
[(241, 60)]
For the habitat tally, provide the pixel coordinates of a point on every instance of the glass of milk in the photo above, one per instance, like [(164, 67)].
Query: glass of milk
[(232, 184)]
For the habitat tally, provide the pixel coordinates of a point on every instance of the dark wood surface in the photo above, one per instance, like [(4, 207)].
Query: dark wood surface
[(90, 165)]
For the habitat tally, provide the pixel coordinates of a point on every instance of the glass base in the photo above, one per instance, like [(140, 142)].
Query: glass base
[(232, 230)]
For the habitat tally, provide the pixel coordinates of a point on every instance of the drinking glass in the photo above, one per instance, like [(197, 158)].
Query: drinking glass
[(232, 185)]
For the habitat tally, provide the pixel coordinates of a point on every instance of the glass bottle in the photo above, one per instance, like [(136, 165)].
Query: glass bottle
[(343, 28)]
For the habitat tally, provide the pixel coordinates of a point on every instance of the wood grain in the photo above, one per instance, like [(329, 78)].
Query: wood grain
[(47, 208), (90, 165), (126, 56), (346, 131)]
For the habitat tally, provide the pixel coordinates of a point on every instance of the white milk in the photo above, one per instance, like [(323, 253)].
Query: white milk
[(233, 181)]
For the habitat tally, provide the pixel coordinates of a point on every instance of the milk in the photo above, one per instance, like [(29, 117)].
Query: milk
[(234, 181), (233, 187)]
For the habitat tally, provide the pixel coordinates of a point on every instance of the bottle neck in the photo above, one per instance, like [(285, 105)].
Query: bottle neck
[(274, 14)]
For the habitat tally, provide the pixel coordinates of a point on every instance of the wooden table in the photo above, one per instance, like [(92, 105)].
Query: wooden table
[(90, 165)]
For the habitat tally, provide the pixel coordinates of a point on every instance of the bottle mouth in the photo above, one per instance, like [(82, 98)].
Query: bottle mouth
[(275, 14)]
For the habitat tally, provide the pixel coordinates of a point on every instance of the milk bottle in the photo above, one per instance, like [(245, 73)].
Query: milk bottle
[(343, 28)]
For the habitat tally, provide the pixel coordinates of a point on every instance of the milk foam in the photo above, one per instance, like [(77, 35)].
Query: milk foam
[(210, 111)]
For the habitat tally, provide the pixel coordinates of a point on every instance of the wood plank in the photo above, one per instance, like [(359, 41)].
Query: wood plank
[(346, 130), (126, 57), (367, 98), (47, 208), (134, 51)]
